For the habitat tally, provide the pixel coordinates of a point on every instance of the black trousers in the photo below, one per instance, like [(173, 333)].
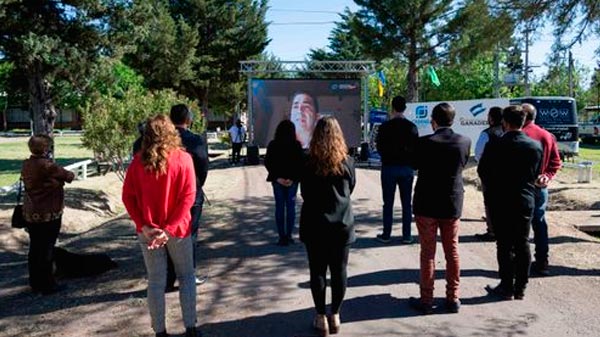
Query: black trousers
[(514, 256), (236, 149), (322, 256), (42, 238), (196, 211)]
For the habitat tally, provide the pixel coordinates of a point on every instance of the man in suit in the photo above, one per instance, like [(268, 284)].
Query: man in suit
[(509, 169), (551, 163), (196, 146), (438, 202), (396, 141)]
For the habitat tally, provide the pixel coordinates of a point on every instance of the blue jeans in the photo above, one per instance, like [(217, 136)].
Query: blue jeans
[(540, 226), (285, 207), (403, 176), (180, 252)]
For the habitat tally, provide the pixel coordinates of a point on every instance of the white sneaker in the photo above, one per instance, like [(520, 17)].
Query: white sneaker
[(201, 280)]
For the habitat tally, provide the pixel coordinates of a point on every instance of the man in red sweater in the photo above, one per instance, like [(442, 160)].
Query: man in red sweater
[(551, 163)]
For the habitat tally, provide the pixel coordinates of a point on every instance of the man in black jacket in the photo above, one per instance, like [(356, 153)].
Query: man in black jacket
[(196, 146), (438, 202), (396, 141), (509, 169)]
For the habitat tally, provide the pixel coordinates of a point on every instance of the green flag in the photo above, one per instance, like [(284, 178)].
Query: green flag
[(433, 76)]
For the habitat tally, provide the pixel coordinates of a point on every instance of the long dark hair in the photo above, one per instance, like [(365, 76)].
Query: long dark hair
[(285, 132)]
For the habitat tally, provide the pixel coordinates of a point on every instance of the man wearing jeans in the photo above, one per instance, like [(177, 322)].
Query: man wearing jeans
[(550, 165), (196, 146), (441, 158), (396, 141)]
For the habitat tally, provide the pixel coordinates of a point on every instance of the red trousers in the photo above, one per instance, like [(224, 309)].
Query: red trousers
[(427, 236)]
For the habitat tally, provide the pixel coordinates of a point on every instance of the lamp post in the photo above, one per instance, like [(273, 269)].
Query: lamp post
[(4, 95)]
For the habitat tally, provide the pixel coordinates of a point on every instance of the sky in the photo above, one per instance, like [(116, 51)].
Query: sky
[(292, 37)]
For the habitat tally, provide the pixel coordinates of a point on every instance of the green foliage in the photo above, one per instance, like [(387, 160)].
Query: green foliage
[(424, 32), (53, 41), (110, 122)]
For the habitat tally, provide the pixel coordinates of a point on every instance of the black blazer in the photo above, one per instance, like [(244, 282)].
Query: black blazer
[(508, 168), (326, 215), (284, 160), (196, 146), (440, 160)]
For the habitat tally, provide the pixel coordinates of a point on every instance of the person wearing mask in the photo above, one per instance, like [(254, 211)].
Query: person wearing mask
[(510, 168), (326, 219), (283, 161), (438, 202), (43, 204), (396, 141), (158, 192), (490, 134)]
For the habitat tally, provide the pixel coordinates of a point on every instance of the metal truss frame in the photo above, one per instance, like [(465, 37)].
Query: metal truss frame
[(361, 68)]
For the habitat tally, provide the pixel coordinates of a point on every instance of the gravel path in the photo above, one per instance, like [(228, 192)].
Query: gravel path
[(257, 289)]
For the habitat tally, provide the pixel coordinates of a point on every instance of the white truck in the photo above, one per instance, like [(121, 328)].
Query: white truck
[(589, 132)]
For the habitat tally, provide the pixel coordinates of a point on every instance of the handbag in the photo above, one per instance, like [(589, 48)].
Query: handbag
[(18, 221)]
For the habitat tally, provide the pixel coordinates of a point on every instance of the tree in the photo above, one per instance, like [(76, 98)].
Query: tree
[(343, 44), (225, 32), (422, 32), (52, 40)]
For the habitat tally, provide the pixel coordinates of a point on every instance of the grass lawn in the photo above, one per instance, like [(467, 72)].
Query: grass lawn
[(68, 149), (588, 152)]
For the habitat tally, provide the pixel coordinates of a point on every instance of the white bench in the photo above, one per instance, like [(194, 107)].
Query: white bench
[(80, 169)]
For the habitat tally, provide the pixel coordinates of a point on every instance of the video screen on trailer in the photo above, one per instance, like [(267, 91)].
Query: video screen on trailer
[(304, 102)]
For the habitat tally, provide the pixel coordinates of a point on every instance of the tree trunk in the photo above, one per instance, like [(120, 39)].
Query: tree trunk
[(43, 113), (412, 74)]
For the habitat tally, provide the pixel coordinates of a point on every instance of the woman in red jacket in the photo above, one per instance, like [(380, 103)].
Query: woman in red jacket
[(158, 192)]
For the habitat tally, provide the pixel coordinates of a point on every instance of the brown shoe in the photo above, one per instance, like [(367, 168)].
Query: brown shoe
[(321, 325), (334, 324)]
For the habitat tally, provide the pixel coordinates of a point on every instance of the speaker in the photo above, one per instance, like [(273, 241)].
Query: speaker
[(364, 152), (252, 157)]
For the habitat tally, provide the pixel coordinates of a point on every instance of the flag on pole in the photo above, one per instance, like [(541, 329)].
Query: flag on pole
[(433, 76), (380, 82)]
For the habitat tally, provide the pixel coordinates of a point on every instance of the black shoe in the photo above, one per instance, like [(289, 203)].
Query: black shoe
[(499, 291), (540, 269), (282, 242), (519, 295), (383, 239), (408, 241), (487, 237), (53, 290), (421, 307), (453, 306), (162, 334), (191, 332)]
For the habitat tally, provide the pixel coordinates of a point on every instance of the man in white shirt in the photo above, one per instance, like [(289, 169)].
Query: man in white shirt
[(237, 134)]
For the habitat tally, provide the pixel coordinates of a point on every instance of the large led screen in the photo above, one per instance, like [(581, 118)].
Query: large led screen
[(304, 102)]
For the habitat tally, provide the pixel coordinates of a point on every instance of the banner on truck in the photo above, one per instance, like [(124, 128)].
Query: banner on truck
[(470, 119)]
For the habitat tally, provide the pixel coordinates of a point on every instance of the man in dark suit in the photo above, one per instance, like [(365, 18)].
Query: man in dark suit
[(196, 146), (438, 202), (509, 169)]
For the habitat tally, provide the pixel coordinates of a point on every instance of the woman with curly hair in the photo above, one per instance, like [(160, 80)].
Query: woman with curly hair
[(158, 192), (326, 219)]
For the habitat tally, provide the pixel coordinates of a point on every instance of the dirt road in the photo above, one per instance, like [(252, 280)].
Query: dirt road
[(257, 289)]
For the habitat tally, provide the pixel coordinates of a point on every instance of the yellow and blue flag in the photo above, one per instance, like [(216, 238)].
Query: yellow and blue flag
[(380, 82)]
